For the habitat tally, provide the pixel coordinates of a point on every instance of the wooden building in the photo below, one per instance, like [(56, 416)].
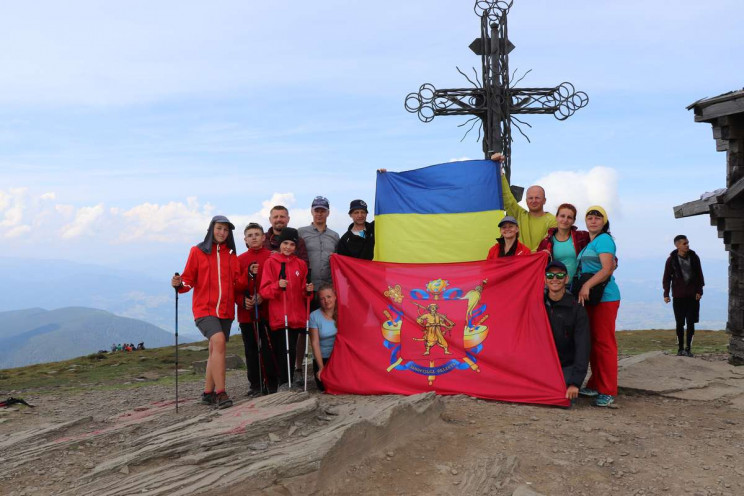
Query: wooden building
[(726, 206)]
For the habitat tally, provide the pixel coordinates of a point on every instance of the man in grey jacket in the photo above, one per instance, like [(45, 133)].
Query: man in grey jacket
[(320, 242)]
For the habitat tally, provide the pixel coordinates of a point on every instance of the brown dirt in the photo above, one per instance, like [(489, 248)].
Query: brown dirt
[(646, 445)]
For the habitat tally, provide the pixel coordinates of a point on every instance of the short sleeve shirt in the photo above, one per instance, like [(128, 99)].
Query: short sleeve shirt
[(590, 263), (326, 331)]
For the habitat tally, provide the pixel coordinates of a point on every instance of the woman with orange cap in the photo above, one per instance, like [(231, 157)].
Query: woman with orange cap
[(596, 263)]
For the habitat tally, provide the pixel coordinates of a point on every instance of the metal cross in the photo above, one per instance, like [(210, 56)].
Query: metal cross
[(494, 102)]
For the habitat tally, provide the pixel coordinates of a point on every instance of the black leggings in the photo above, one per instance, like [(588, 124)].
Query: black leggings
[(279, 349), (255, 369)]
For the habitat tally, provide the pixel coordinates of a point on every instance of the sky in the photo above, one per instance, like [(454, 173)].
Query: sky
[(124, 126)]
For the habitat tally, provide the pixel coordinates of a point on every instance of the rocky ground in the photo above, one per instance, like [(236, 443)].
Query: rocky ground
[(677, 428)]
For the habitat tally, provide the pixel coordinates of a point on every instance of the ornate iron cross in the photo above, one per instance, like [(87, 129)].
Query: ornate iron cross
[(494, 103)]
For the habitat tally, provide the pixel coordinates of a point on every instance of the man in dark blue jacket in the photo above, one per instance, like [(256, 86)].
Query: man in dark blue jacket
[(359, 239), (570, 326)]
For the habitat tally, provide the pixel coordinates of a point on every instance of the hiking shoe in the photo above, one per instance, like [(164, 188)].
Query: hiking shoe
[(253, 393), (689, 353), (588, 393), (681, 353), (208, 398), (604, 400), (222, 400)]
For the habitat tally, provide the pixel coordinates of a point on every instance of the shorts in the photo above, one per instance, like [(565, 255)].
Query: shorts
[(209, 326)]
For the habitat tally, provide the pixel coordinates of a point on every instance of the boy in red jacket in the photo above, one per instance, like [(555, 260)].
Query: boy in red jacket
[(213, 272), (285, 290), (252, 262)]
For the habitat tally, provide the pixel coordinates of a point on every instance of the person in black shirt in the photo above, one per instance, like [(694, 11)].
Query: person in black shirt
[(570, 326)]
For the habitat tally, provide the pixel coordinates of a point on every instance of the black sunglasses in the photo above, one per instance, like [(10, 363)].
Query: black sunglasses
[(551, 275)]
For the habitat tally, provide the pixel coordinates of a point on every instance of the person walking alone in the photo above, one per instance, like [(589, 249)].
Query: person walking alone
[(684, 275)]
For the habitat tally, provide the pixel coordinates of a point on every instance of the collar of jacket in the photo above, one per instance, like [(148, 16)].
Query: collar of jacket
[(553, 230), (282, 257), (367, 226)]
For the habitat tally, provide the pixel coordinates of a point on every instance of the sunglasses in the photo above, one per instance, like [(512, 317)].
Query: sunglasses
[(551, 275)]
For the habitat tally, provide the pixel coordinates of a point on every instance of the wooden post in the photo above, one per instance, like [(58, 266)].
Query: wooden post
[(726, 114)]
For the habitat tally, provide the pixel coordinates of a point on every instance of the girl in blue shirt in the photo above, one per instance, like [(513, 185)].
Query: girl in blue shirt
[(323, 330)]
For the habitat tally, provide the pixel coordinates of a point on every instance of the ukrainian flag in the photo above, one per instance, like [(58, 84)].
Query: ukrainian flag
[(441, 213)]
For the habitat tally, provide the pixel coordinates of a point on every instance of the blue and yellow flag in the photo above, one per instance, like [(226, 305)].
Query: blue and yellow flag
[(441, 213)]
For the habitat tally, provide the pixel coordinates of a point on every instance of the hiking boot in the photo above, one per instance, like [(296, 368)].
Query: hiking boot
[(253, 393), (681, 352), (689, 353), (208, 398), (222, 400), (588, 393), (604, 400)]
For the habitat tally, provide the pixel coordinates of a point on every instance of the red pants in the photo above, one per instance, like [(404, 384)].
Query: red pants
[(603, 357)]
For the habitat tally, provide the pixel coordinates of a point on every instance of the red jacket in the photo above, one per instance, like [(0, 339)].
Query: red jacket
[(521, 249), (580, 240), (296, 274), (246, 259), (214, 278)]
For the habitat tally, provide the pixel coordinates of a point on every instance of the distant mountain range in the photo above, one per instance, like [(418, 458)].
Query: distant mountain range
[(27, 283), (36, 335)]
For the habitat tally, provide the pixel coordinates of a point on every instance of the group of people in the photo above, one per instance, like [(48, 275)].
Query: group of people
[(281, 286), (127, 347), (582, 298)]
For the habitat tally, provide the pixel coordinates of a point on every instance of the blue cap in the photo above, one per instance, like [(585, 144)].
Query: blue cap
[(556, 264), (320, 202), (358, 205)]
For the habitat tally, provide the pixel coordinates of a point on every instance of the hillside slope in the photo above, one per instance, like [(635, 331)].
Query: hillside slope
[(36, 335)]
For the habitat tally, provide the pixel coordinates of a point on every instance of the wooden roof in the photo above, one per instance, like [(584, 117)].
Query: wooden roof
[(709, 109)]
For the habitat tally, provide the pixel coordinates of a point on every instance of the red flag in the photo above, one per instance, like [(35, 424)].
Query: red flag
[(475, 328)]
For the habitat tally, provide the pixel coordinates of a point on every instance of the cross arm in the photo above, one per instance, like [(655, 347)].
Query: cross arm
[(561, 101), (429, 102)]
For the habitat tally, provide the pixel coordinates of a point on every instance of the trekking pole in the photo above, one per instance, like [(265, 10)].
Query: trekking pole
[(262, 379), (283, 275), (309, 295), (176, 289)]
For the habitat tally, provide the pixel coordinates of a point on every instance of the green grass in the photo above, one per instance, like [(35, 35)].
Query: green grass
[(637, 342), (119, 370), (110, 370)]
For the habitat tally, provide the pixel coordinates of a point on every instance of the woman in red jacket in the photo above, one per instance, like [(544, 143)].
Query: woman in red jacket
[(284, 287), (213, 272), (508, 245)]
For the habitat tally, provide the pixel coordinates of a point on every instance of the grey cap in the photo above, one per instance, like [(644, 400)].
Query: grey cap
[(223, 220), (508, 218)]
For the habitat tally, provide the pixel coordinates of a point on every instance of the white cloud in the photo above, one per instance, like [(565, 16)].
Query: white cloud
[(597, 186), (172, 222), (16, 231), (86, 220), (13, 206)]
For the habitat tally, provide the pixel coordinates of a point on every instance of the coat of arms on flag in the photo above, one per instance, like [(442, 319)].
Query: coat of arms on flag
[(445, 331)]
